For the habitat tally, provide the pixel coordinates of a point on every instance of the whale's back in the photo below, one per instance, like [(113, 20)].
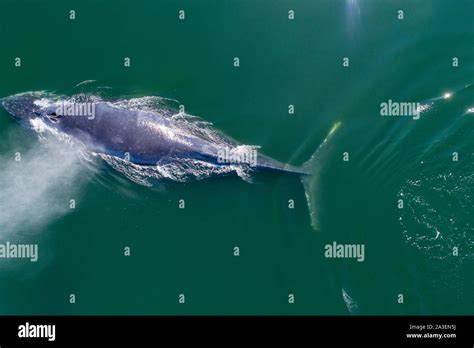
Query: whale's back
[(145, 136)]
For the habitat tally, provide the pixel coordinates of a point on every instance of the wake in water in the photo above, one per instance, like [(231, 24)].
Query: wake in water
[(437, 217), (351, 304)]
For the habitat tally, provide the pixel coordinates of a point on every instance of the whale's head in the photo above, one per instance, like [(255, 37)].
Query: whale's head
[(21, 107), (25, 107)]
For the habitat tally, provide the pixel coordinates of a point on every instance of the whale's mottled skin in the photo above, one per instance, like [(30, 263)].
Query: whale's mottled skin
[(145, 137)]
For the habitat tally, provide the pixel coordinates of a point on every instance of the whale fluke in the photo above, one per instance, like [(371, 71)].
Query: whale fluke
[(311, 181)]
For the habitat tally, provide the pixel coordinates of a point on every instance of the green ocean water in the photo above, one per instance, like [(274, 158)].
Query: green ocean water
[(190, 251)]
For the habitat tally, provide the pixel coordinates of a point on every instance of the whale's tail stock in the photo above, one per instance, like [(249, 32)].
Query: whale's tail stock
[(311, 180)]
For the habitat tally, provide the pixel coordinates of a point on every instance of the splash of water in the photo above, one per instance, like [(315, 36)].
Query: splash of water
[(437, 216), (351, 304), (36, 186)]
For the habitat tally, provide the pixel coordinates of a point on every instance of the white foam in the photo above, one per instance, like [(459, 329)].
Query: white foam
[(351, 304), (38, 188)]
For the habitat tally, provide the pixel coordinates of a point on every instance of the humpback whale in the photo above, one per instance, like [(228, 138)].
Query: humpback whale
[(146, 137)]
